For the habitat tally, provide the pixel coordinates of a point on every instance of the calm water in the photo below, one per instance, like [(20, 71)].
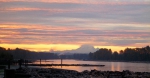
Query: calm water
[(111, 66)]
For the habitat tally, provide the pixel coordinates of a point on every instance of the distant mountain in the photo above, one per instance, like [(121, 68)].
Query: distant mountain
[(83, 49)]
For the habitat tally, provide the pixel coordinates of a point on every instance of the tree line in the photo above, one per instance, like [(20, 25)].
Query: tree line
[(15, 54), (128, 54), (5, 55)]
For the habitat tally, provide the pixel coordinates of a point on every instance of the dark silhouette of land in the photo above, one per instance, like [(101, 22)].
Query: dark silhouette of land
[(129, 54), (103, 54), (9, 56), (87, 65)]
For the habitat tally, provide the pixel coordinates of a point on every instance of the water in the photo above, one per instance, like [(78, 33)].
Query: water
[(109, 66)]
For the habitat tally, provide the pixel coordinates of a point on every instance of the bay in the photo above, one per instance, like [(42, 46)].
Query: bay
[(109, 66)]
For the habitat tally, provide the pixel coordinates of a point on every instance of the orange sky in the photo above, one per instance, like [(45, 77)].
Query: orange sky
[(57, 47), (44, 25)]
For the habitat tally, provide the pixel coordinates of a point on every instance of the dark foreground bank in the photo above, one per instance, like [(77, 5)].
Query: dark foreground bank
[(61, 73)]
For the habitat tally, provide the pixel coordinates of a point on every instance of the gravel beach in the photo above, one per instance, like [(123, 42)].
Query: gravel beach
[(62, 73)]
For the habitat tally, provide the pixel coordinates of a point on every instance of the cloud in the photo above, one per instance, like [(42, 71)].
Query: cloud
[(125, 42), (103, 11), (106, 22), (33, 34)]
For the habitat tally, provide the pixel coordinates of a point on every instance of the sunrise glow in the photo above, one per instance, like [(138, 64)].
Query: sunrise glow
[(58, 25)]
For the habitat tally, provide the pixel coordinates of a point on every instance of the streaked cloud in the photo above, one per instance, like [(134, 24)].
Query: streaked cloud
[(75, 22), (57, 34)]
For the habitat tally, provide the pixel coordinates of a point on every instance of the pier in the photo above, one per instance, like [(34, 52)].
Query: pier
[(61, 64), (65, 65)]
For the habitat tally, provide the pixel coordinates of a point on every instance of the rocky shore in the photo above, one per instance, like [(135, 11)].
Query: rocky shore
[(62, 73)]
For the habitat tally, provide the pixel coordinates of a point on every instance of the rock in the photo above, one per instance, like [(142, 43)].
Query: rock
[(62, 73)]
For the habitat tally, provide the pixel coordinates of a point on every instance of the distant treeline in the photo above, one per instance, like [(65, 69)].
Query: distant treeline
[(129, 54), (7, 54)]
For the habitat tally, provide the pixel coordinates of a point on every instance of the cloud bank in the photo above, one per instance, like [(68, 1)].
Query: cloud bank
[(99, 23)]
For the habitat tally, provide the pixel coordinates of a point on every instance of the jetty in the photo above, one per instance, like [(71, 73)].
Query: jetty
[(61, 64), (65, 65)]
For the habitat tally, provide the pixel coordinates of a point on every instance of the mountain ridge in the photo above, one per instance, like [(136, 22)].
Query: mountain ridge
[(83, 49)]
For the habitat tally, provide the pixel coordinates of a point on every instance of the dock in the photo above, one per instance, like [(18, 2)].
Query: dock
[(65, 65)]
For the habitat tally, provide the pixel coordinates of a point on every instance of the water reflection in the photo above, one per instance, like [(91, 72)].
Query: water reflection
[(118, 66), (112, 66), (115, 66), (109, 66)]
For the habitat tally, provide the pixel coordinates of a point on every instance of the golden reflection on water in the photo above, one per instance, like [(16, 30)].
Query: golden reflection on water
[(78, 68), (118, 66), (112, 66), (115, 66), (109, 66), (59, 62)]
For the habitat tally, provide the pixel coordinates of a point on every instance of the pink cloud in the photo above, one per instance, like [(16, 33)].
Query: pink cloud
[(106, 2)]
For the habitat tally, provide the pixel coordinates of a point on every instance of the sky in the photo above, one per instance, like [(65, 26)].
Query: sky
[(44, 25)]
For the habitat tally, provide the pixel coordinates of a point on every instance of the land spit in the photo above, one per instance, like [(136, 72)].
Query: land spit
[(62, 73), (64, 65)]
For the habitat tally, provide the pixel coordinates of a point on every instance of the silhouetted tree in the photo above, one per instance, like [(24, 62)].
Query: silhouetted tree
[(128, 54)]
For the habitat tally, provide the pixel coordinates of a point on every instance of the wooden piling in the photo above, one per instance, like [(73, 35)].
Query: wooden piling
[(8, 64), (40, 62), (61, 62)]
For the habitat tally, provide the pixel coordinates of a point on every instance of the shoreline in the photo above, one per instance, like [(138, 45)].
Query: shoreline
[(117, 61), (101, 60), (64, 73)]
